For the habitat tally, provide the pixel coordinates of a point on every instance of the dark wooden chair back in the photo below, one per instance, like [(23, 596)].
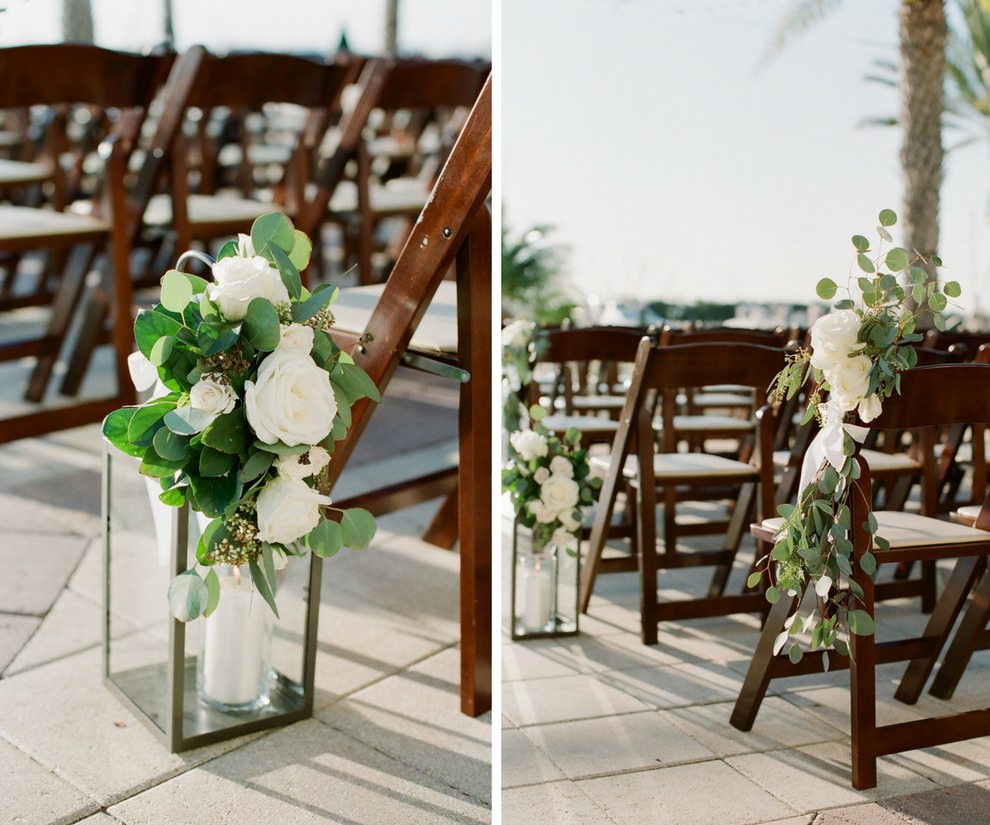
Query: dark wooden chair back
[(966, 343), (722, 335)]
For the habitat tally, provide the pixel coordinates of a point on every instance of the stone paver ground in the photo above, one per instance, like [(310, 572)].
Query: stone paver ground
[(387, 743), (601, 730)]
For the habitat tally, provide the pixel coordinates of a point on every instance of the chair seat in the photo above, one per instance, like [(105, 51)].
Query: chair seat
[(964, 455), (967, 513), (206, 210), (878, 461), (584, 423), (15, 172), (720, 399), (599, 402), (399, 196), (904, 530), (436, 333), (19, 224), (704, 423), (683, 465)]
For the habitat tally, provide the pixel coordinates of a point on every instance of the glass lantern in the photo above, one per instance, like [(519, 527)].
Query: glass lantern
[(238, 671), (543, 600)]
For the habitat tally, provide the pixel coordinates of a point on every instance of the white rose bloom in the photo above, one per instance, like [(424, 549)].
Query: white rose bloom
[(541, 475), (544, 514), (238, 281), (209, 395), (291, 401), (245, 247), (560, 493), (297, 337), (833, 337), (318, 459), (870, 408), (567, 519), (564, 539), (517, 333), (849, 381), (288, 510), (560, 466), (529, 444)]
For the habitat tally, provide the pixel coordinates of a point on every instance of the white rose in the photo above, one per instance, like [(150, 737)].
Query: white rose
[(297, 337), (238, 281), (560, 466), (833, 337), (564, 539), (849, 381), (541, 475), (517, 333), (287, 510), (870, 408), (567, 519), (209, 395), (245, 247), (544, 514), (291, 401), (560, 493), (529, 444), (318, 459)]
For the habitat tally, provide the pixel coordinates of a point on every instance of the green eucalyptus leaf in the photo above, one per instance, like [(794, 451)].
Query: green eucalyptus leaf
[(826, 289), (214, 495), (326, 539), (860, 622), (288, 271), (952, 289), (897, 259), (188, 596), (887, 217), (860, 243), (358, 528), (304, 310), (149, 326), (115, 428), (176, 291), (212, 592), (213, 463), (161, 350), (272, 230), (865, 263), (355, 382), (868, 562), (146, 421), (257, 465), (845, 303), (302, 247), (228, 432), (188, 420), (262, 586), (169, 445), (176, 497), (228, 250), (261, 326)]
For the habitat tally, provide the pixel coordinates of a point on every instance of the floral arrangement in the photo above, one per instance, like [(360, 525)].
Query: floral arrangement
[(252, 396), (517, 353), (550, 483), (858, 352)]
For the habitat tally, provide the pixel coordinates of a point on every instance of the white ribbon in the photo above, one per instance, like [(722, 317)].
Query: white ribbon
[(827, 445)]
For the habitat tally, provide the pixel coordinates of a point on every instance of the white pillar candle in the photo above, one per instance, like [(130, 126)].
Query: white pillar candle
[(236, 642), (536, 599)]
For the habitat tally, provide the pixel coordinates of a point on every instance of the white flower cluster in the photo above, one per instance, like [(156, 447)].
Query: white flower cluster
[(834, 348), (559, 492), (517, 333)]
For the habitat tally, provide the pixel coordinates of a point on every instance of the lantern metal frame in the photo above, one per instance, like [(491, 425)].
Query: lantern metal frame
[(180, 674), (559, 632)]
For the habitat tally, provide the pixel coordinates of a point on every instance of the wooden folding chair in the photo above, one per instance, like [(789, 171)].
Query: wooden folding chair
[(454, 228), (416, 88), (659, 374), (931, 397), (56, 76)]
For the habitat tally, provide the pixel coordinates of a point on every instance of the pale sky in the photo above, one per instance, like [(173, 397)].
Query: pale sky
[(677, 169), (434, 27)]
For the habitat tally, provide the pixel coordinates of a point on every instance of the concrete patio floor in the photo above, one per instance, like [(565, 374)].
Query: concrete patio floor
[(387, 744), (602, 730)]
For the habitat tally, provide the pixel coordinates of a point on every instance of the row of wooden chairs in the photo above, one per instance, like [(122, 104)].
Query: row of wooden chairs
[(146, 203)]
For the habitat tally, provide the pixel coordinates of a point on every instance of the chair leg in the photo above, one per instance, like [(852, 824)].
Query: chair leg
[(863, 697), (758, 675), (63, 309), (929, 577), (670, 518), (442, 529), (741, 514), (646, 521), (940, 625), (964, 643)]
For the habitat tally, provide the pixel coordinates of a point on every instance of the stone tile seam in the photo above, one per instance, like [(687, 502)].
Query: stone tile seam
[(29, 754), (46, 662)]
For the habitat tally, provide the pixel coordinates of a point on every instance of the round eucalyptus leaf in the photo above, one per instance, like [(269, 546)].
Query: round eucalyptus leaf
[(952, 289), (897, 259), (176, 291), (187, 596), (826, 289), (888, 217)]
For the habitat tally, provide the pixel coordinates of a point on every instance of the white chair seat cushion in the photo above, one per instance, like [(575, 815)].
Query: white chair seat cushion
[(207, 209), (904, 530), (964, 455), (877, 460), (13, 172), (683, 465), (437, 331), (969, 511), (702, 423), (599, 402), (721, 399), (399, 195), (584, 423), (23, 222)]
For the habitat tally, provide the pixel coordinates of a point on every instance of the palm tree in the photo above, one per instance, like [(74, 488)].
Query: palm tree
[(531, 286), (921, 69), (967, 66)]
